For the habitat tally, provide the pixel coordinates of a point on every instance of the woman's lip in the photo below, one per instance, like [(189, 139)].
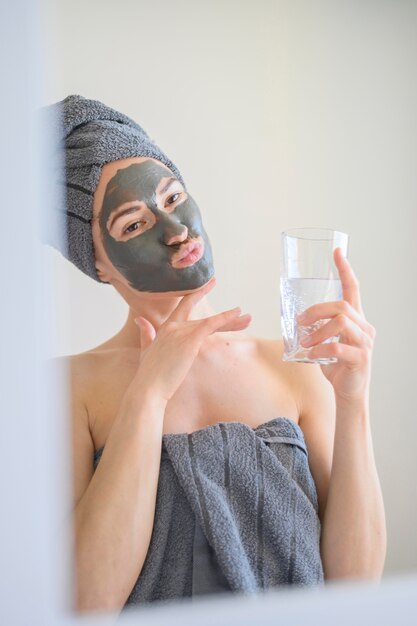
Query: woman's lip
[(191, 258)]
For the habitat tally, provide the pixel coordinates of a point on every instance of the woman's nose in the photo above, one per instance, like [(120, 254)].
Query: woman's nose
[(172, 236)]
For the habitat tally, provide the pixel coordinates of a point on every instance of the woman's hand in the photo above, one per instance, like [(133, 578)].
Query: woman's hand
[(167, 355), (350, 376)]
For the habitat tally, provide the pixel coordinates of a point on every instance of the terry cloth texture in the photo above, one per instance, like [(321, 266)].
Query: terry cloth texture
[(84, 135), (251, 492)]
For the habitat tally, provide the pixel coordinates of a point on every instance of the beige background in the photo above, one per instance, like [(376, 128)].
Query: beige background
[(279, 114)]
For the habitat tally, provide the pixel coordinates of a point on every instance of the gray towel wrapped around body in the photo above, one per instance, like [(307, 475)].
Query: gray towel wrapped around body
[(251, 492)]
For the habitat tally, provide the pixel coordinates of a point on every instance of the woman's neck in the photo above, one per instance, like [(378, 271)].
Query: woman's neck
[(156, 312)]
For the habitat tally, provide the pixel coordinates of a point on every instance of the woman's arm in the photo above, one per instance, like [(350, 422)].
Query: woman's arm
[(353, 542), (114, 517), (354, 539), (341, 460)]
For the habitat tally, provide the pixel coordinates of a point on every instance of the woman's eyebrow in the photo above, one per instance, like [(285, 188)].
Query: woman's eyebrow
[(116, 214), (168, 185)]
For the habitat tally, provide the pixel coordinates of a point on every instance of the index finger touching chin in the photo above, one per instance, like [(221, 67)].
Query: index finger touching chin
[(187, 302)]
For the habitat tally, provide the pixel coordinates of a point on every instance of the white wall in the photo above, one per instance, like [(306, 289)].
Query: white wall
[(302, 113), (33, 449)]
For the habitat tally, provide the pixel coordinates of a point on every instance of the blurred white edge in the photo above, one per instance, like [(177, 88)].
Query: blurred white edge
[(42, 473), (391, 601)]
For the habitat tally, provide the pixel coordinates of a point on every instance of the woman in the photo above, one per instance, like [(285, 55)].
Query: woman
[(202, 461)]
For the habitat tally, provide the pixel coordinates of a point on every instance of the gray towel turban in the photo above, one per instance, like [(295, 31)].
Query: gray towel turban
[(86, 134)]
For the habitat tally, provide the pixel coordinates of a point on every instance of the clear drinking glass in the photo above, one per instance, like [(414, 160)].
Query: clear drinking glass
[(308, 276)]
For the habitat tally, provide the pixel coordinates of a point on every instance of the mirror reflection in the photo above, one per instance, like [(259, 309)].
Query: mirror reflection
[(203, 463)]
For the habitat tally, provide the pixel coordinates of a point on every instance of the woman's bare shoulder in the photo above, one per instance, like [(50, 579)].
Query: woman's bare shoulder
[(271, 352), (81, 369), (91, 371)]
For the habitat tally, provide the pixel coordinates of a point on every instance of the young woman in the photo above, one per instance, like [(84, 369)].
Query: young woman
[(202, 461)]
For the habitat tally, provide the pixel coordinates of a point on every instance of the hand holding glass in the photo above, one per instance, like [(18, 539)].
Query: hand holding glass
[(308, 276)]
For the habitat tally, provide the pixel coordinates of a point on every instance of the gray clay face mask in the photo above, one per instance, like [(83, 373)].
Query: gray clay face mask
[(156, 226)]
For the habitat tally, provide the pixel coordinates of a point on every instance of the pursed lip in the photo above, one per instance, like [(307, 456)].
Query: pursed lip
[(189, 253)]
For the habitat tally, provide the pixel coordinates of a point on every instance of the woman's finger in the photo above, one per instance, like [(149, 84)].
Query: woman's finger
[(238, 323), (339, 325), (350, 284), (214, 322), (188, 302), (147, 332), (328, 310), (351, 356)]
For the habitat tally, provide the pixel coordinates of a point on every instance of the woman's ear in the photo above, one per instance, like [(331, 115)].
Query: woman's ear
[(101, 271), (98, 252)]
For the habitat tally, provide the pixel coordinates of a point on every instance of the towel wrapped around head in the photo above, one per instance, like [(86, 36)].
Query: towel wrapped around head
[(86, 134)]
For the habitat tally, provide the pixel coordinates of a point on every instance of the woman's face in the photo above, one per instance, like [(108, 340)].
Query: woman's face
[(149, 228)]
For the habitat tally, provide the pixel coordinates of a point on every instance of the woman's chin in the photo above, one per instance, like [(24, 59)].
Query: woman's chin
[(186, 292)]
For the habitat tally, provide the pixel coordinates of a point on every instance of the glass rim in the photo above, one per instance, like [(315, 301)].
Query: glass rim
[(290, 231)]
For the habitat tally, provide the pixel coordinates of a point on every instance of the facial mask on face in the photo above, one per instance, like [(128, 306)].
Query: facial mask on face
[(145, 258)]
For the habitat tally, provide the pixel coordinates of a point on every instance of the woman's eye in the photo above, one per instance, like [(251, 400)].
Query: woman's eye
[(173, 198), (130, 228)]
